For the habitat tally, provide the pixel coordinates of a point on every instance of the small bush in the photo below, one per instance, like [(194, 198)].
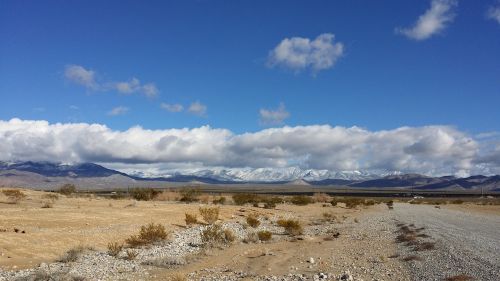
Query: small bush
[(457, 201), (144, 194), (229, 235), (245, 198), (47, 205), (190, 194), (321, 197), (215, 235), (67, 189), (148, 234), (252, 237), (131, 255), (292, 227), (14, 195), (425, 246), (191, 219), (114, 248), (301, 200), (329, 217), (352, 203), (209, 214), (168, 195), (73, 254), (264, 235), (219, 201), (253, 221), (334, 202), (50, 196)]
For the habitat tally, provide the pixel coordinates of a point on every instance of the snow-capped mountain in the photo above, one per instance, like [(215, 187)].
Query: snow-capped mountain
[(266, 174)]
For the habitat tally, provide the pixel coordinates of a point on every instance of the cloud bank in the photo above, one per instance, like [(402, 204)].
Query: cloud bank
[(432, 150), (299, 53), (432, 22)]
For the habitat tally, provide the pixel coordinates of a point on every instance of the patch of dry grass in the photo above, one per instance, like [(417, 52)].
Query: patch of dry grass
[(148, 234), (264, 235), (190, 219), (253, 220), (292, 227), (209, 214), (461, 277), (114, 248)]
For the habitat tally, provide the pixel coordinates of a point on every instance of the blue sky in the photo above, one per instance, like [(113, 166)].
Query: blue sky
[(218, 55)]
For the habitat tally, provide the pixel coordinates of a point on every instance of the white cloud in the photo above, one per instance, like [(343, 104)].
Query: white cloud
[(274, 117), (494, 12), (119, 110), (198, 108), (172, 107), (433, 150), (432, 22), (79, 75), (299, 53), (135, 86)]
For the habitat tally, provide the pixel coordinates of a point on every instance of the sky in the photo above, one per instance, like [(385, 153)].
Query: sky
[(412, 86)]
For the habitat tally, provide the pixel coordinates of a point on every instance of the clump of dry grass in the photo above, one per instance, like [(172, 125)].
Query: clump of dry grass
[(461, 277), (301, 200), (50, 196), (47, 205), (219, 201), (320, 197), (245, 198), (412, 258), (189, 195), (214, 235), (190, 219), (131, 255), (253, 220), (264, 235), (67, 189), (114, 248), (73, 254), (148, 234), (229, 235), (14, 195), (251, 237), (209, 214), (292, 227), (425, 246), (168, 195)]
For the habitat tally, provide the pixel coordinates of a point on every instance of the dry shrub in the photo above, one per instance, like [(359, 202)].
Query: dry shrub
[(292, 227), (131, 255), (301, 200), (73, 254), (190, 219), (271, 202), (50, 196), (214, 235), (264, 235), (67, 189), (412, 258), (461, 277), (14, 195), (457, 201), (253, 220), (251, 237), (148, 234), (321, 197), (168, 195), (245, 198), (219, 201), (329, 217), (352, 203), (205, 199), (425, 246), (209, 214), (177, 277), (144, 194), (47, 205), (114, 248), (190, 194)]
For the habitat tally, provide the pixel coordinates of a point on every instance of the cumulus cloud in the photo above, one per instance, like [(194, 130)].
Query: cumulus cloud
[(298, 53), (494, 12), (87, 78), (433, 150), (119, 110), (81, 76), (432, 22), (198, 109), (274, 116), (172, 107)]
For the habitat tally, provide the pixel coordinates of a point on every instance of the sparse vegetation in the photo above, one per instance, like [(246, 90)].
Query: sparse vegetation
[(148, 234), (73, 254), (412, 258), (461, 277), (114, 248), (219, 201), (14, 195), (271, 202), (189, 195), (50, 196), (264, 235), (131, 254), (144, 194), (301, 200), (209, 214), (177, 277), (245, 198), (252, 237), (190, 219), (292, 227), (214, 235), (229, 235), (457, 201), (67, 189), (47, 205), (253, 220)]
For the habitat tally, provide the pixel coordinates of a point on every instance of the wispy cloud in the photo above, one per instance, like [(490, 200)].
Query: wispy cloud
[(119, 110), (198, 109), (81, 76), (494, 12), (87, 78), (274, 116), (298, 53), (432, 22), (172, 107)]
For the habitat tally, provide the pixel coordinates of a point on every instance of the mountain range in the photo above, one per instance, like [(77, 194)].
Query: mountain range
[(49, 175)]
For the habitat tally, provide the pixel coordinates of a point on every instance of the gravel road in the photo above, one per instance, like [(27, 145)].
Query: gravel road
[(466, 243)]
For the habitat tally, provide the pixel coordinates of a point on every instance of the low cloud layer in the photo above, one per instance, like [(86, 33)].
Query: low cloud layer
[(432, 22), (299, 53), (432, 150)]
